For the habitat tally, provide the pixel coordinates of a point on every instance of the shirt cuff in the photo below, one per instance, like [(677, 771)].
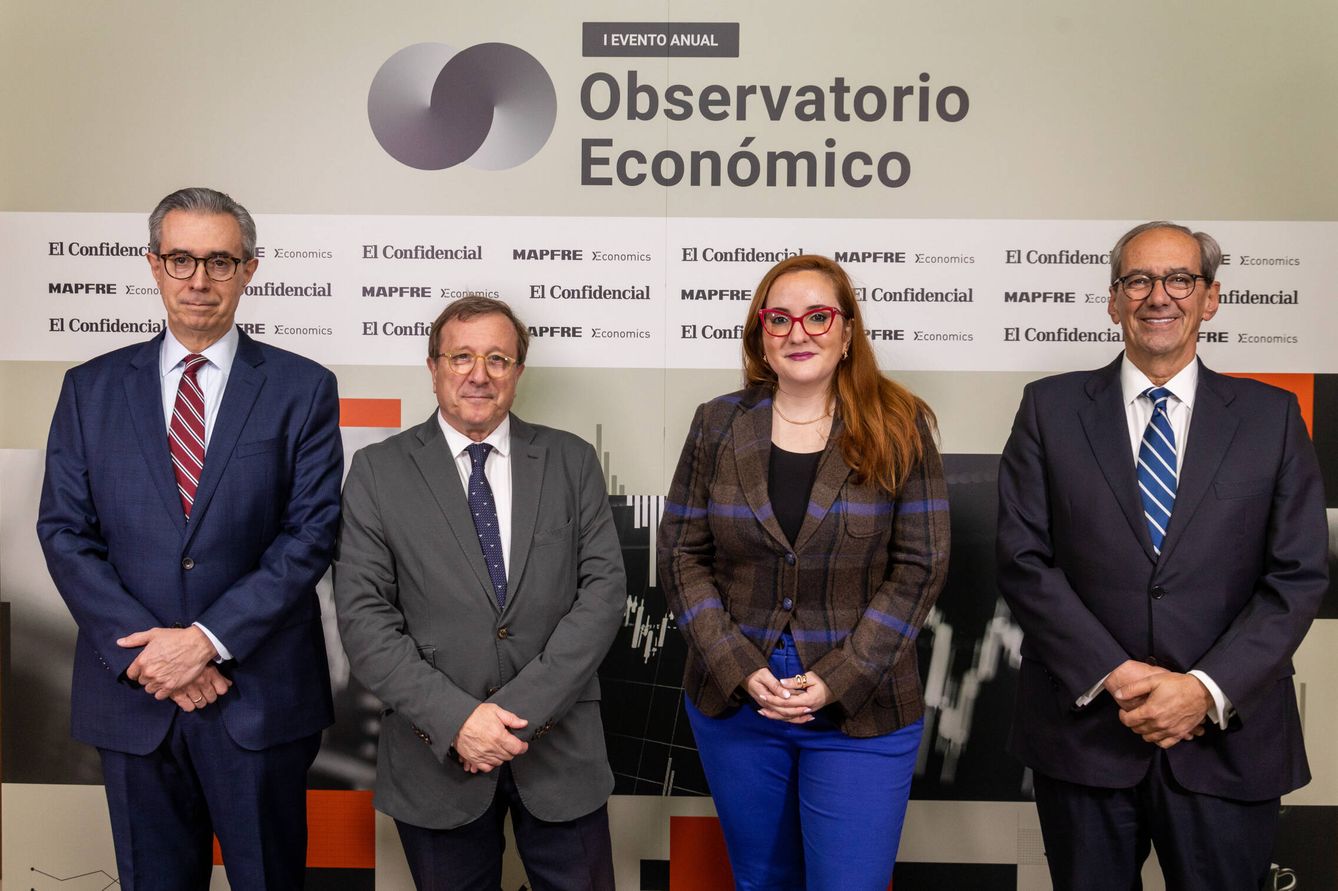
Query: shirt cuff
[(223, 654), (1221, 711), (1095, 691)]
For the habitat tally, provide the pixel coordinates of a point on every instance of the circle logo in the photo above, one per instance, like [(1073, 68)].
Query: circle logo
[(491, 106)]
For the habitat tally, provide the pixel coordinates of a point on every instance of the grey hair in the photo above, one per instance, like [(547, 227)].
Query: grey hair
[(198, 199), (1210, 252)]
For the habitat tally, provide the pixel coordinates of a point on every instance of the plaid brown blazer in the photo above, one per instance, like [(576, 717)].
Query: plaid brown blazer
[(855, 587)]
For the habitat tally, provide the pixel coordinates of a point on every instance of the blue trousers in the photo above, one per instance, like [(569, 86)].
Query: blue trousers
[(803, 806)]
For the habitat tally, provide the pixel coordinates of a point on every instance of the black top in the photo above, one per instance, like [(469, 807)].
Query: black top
[(790, 478)]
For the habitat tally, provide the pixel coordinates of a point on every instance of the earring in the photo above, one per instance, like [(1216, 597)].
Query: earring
[(845, 353)]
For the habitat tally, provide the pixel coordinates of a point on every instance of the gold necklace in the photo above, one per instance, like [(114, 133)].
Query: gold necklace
[(776, 409)]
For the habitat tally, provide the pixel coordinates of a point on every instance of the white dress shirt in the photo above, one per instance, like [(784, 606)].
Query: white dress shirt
[(1179, 410), (212, 377), (497, 469)]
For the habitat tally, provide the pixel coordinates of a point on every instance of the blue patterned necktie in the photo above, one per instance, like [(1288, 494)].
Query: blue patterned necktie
[(1157, 475), (484, 509)]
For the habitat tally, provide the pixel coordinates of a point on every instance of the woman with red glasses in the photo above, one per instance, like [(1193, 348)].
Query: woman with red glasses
[(804, 541)]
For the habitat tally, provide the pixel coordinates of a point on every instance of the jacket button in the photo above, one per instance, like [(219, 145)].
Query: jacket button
[(187, 563), (1158, 592), (502, 633), (789, 558), (492, 691), (787, 603)]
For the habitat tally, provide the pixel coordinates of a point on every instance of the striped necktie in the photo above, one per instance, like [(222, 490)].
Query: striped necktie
[(185, 435), (1157, 474)]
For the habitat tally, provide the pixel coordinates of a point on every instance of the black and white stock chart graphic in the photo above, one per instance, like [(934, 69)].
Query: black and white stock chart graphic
[(969, 653)]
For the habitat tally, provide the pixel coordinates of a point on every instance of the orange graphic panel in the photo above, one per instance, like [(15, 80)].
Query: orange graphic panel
[(341, 829), (1303, 385), (369, 413), (697, 858)]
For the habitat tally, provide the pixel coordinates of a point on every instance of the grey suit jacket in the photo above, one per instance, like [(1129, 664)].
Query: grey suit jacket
[(423, 631)]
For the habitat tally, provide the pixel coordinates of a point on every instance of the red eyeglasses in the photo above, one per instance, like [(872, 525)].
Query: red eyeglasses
[(815, 322)]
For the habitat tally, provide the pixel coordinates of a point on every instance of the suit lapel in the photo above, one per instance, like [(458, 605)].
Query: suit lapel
[(1107, 428), (527, 479), (144, 394), (752, 458), (245, 381), (831, 476), (437, 465), (1212, 427)]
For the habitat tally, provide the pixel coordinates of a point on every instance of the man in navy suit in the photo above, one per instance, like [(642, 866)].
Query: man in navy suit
[(1162, 542), (189, 507)]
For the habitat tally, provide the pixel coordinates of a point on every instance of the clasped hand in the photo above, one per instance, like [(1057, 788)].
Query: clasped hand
[(1163, 707), (486, 740), (787, 700), (176, 664)]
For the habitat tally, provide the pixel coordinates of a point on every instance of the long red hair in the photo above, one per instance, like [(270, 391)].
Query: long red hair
[(881, 441)]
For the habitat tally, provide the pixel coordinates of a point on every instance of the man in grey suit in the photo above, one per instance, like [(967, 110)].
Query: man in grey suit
[(479, 583)]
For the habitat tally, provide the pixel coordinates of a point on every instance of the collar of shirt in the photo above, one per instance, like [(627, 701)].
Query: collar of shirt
[(457, 442), (220, 353), (1133, 382)]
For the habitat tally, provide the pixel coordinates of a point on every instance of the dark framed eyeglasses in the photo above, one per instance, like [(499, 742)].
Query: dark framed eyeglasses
[(219, 267), (815, 322), (1138, 286), (496, 364)]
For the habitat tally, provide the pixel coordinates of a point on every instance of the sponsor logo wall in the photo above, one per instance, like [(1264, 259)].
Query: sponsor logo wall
[(968, 295)]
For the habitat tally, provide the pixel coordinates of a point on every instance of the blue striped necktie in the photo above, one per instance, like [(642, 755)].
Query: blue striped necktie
[(1157, 474), (484, 509)]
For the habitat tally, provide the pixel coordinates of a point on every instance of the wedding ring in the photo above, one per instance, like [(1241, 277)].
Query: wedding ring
[(801, 681), (198, 701)]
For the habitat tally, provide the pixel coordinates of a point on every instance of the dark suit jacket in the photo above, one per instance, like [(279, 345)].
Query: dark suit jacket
[(854, 588), (1241, 575), (260, 537), (421, 626)]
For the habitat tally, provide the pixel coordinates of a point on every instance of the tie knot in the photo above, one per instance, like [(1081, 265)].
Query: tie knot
[(1158, 395), (478, 452), (193, 362)]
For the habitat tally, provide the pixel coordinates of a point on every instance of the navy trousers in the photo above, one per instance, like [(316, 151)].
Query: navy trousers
[(1097, 839), (803, 806), (167, 805), (574, 855)]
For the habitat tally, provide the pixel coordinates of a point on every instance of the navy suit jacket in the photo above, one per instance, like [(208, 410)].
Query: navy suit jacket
[(261, 535), (1242, 572)]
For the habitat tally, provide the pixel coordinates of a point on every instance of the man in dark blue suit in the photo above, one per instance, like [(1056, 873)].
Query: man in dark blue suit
[(189, 507), (1163, 544)]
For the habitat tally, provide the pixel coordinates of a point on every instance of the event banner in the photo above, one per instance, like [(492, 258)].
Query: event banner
[(613, 292)]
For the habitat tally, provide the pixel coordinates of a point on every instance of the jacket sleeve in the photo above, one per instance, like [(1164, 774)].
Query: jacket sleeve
[(917, 568), (686, 556), (1069, 640), (70, 532), (1256, 648)]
